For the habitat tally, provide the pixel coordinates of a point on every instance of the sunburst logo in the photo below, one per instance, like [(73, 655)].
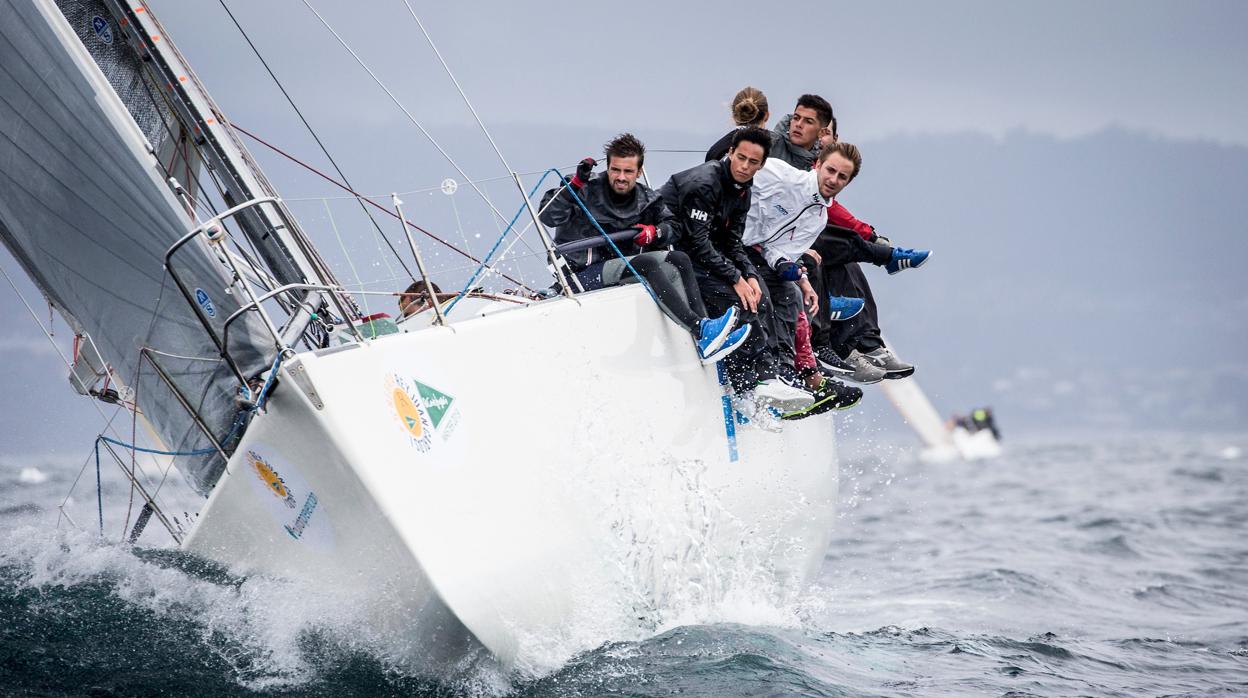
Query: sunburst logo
[(410, 411), (273, 482)]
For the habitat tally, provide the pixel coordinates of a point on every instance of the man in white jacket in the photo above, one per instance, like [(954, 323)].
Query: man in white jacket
[(788, 211)]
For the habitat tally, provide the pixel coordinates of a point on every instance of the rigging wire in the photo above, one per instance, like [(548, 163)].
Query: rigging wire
[(363, 198), (405, 111), (314, 135), (94, 403), (455, 82)]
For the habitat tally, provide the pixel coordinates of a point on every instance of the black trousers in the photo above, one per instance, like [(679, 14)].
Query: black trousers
[(754, 359), (840, 275), (786, 305), (669, 273)]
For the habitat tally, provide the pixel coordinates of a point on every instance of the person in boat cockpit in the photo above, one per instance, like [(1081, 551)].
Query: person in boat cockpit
[(416, 298), (615, 202)]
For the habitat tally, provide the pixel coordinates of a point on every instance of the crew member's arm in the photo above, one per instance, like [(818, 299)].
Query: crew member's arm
[(840, 217), (558, 205), (695, 240), (657, 227), (695, 219)]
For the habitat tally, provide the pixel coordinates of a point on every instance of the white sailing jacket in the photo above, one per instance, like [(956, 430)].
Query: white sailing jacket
[(787, 212)]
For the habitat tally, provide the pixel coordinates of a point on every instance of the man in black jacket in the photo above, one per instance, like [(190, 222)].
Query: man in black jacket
[(613, 201), (797, 137), (711, 202)]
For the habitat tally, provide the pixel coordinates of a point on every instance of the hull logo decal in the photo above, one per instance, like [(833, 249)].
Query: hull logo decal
[(422, 411)]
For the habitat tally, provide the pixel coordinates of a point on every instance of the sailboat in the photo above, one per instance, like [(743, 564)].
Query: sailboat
[(595, 478)]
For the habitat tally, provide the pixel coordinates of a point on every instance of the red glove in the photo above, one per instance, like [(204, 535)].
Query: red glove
[(646, 234), (583, 172)]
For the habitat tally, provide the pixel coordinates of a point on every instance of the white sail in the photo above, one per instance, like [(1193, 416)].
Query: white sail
[(922, 417), (86, 209)]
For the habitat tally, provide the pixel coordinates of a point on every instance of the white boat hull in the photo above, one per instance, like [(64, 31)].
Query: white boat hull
[(551, 477)]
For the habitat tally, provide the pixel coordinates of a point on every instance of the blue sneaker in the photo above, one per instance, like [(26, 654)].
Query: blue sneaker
[(713, 332), (843, 308), (906, 258), (731, 343)]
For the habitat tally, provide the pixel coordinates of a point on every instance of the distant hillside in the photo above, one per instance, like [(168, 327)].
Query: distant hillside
[(1096, 282)]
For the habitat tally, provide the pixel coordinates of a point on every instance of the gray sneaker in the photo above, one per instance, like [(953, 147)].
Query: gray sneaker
[(856, 367), (893, 367)]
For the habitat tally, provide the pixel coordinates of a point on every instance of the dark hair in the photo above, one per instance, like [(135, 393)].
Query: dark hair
[(749, 107), (753, 134), (625, 145), (823, 110), (849, 151), (418, 286)]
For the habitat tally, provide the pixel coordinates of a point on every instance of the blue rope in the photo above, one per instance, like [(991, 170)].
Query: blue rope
[(497, 242), (268, 383), (516, 217), (610, 242), (115, 442)]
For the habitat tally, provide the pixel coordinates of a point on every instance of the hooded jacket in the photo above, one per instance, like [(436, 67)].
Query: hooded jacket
[(787, 213), (783, 149), (711, 207), (643, 207)]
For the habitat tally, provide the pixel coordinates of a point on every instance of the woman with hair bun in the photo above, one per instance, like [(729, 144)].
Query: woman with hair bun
[(749, 108)]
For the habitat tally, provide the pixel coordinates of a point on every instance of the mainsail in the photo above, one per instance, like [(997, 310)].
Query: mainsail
[(86, 152)]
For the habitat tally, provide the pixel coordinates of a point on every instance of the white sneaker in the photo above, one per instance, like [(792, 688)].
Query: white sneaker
[(753, 413), (784, 397)]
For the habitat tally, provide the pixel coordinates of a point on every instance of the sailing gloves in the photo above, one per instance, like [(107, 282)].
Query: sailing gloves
[(647, 234), (584, 171), (789, 271)]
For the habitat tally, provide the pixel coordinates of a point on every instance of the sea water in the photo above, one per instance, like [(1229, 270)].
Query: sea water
[(1072, 566)]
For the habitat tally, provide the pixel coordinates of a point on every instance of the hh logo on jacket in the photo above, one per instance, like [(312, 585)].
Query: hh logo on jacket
[(698, 215)]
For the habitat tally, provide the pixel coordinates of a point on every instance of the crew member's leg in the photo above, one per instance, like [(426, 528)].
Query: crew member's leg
[(742, 365), (865, 328), (666, 282), (840, 248)]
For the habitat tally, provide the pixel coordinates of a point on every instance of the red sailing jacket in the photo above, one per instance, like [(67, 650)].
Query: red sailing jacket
[(840, 216)]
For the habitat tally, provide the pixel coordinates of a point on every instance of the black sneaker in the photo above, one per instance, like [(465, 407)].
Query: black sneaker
[(832, 395), (894, 367)]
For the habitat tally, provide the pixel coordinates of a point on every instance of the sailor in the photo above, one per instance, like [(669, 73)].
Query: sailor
[(711, 201), (616, 201), (416, 298), (788, 212), (845, 331), (797, 137), (982, 418), (855, 348), (749, 109)]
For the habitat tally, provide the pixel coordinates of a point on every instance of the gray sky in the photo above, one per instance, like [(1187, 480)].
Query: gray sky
[(1065, 68)]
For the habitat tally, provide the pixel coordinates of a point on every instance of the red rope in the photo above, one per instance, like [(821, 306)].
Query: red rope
[(361, 197)]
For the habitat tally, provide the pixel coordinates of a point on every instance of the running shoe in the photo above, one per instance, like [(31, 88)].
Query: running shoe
[(832, 395), (712, 332), (776, 392), (906, 258), (855, 367), (893, 367), (731, 343), (843, 308)]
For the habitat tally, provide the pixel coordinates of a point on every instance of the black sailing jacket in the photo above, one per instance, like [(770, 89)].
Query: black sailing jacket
[(710, 207), (566, 215)]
